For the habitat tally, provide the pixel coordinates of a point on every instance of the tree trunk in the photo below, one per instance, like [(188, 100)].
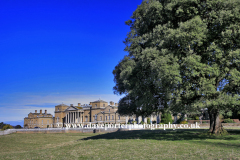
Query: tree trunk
[(211, 117), (215, 124)]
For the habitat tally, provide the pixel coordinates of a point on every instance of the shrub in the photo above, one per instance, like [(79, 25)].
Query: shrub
[(166, 118), (8, 126), (204, 122), (18, 126), (154, 122), (196, 118), (228, 121), (148, 120), (183, 122), (142, 122)]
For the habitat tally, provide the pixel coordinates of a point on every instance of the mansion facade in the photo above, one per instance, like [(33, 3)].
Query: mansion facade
[(98, 112)]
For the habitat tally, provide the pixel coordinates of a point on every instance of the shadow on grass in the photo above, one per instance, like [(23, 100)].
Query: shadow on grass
[(167, 135), (198, 136)]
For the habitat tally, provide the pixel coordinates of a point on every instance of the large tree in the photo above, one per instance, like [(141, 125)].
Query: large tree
[(184, 55)]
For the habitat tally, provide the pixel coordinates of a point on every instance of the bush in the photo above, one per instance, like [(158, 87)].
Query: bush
[(166, 118), (183, 122), (204, 122), (196, 118), (142, 122), (154, 122), (148, 120), (8, 126), (18, 126), (228, 121)]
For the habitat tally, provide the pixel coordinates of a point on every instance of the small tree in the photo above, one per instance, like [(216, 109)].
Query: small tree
[(8, 126), (166, 118)]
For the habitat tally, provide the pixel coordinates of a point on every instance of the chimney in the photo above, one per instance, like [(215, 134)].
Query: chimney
[(45, 111), (40, 111), (71, 105), (79, 104), (111, 103), (35, 111), (116, 104)]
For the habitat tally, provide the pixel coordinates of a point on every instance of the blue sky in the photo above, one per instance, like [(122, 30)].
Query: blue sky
[(59, 51)]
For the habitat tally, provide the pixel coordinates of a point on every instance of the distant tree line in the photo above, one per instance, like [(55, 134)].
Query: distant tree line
[(4, 126)]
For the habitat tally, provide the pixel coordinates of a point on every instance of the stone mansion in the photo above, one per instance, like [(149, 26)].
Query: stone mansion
[(99, 112)]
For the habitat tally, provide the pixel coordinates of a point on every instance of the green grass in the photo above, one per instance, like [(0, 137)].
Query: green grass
[(145, 144)]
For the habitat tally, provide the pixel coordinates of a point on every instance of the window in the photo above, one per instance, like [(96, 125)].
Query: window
[(95, 105), (106, 117), (57, 119), (95, 117), (100, 118), (58, 109), (112, 117), (42, 122), (103, 105), (109, 110), (118, 116), (109, 117), (86, 118), (48, 122)]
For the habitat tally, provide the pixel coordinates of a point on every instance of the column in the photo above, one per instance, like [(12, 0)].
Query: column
[(68, 117), (73, 117), (80, 117), (77, 117), (70, 113)]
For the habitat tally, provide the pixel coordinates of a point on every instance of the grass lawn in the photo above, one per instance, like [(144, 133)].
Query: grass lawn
[(145, 144)]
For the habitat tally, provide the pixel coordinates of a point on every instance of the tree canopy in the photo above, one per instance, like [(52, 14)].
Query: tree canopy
[(183, 55)]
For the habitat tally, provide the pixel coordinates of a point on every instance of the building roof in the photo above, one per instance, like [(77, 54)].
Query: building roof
[(99, 101), (62, 105)]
